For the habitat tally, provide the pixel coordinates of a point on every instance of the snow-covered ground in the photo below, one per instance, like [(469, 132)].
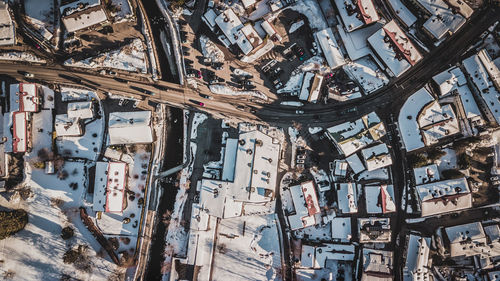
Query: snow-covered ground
[(131, 57), (197, 120), (226, 90), (21, 56), (312, 10), (295, 26), (124, 12), (210, 50)]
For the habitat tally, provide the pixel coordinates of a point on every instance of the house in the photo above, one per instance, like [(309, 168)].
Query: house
[(443, 18), (404, 15), (376, 157), (393, 47), (417, 258), (109, 187), (379, 199), (377, 265), (28, 97), (426, 174), (305, 202), (269, 28), (66, 127), (341, 229), (7, 25), (81, 110), (485, 79), (437, 122), (80, 15), (21, 134), (311, 87), (349, 137), (130, 127), (444, 196), (374, 230), (347, 198), (355, 163), (357, 13), (340, 168), (330, 48)]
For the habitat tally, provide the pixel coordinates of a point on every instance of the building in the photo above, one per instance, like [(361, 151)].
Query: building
[(232, 27), (426, 174), (330, 48), (80, 15), (109, 187), (443, 18), (355, 163), (485, 79), (341, 229), (437, 122), (374, 230), (377, 265), (417, 259), (21, 133), (376, 157), (340, 169), (478, 240), (7, 25), (67, 127), (81, 110), (357, 13), (305, 202), (248, 177), (316, 256), (379, 199), (24, 100), (311, 87), (404, 15), (393, 47), (130, 128), (349, 137), (444, 196)]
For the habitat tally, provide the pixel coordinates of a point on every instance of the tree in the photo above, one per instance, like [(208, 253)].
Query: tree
[(417, 160), (12, 222), (67, 232), (464, 161), (434, 153), (452, 174)]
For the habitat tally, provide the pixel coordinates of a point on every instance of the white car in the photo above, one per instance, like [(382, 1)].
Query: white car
[(29, 75), (298, 111)]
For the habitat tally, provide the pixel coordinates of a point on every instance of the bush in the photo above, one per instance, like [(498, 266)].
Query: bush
[(67, 232), (12, 222)]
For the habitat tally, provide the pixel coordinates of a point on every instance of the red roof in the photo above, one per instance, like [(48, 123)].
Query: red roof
[(399, 48)]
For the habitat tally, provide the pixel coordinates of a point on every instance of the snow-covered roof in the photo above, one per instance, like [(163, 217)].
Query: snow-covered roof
[(252, 35), (71, 7), (248, 3), (28, 97), (215, 200), (377, 265), (66, 126), (394, 48), (417, 259), (376, 157), (474, 239), (330, 48), (7, 29), (463, 8), (80, 110), (229, 167), (209, 18), (494, 275), (444, 196), (379, 199), (461, 233), (347, 198), (87, 17), (366, 72), (130, 127), (402, 12), (340, 168), (349, 137), (109, 187), (407, 119), (20, 132), (355, 163), (231, 26), (486, 77), (442, 20), (437, 122), (341, 229), (426, 174), (305, 202), (355, 42), (374, 230), (311, 86), (316, 256), (357, 13)]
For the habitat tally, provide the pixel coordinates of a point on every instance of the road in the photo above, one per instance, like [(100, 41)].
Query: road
[(390, 97)]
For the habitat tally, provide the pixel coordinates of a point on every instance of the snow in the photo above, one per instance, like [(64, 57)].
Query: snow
[(197, 120), (407, 119), (379, 174), (426, 174), (441, 120), (367, 74), (293, 84), (304, 274), (242, 72), (448, 161), (21, 56), (210, 50), (355, 42), (41, 15), (315, 130), (295, 26), (311, 9), (330, 47), (402, 12), (130, 57), (347, 198), (124, 11), (226, 90)]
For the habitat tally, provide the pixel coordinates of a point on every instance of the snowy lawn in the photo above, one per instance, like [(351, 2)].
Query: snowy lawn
[(21, 56)]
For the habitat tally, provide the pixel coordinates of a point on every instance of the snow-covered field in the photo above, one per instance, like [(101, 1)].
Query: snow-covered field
[(226, 90), (21, 56), (131, 57)]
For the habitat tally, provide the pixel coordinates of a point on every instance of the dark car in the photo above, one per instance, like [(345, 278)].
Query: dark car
[(163, 88), (142, 90), (197, 102), (120, 80), (206, 96)]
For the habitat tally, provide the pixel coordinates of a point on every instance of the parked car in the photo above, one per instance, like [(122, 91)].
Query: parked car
[(298, 111), (197, 102), (301, 157), (29, 75), (206, 96)]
